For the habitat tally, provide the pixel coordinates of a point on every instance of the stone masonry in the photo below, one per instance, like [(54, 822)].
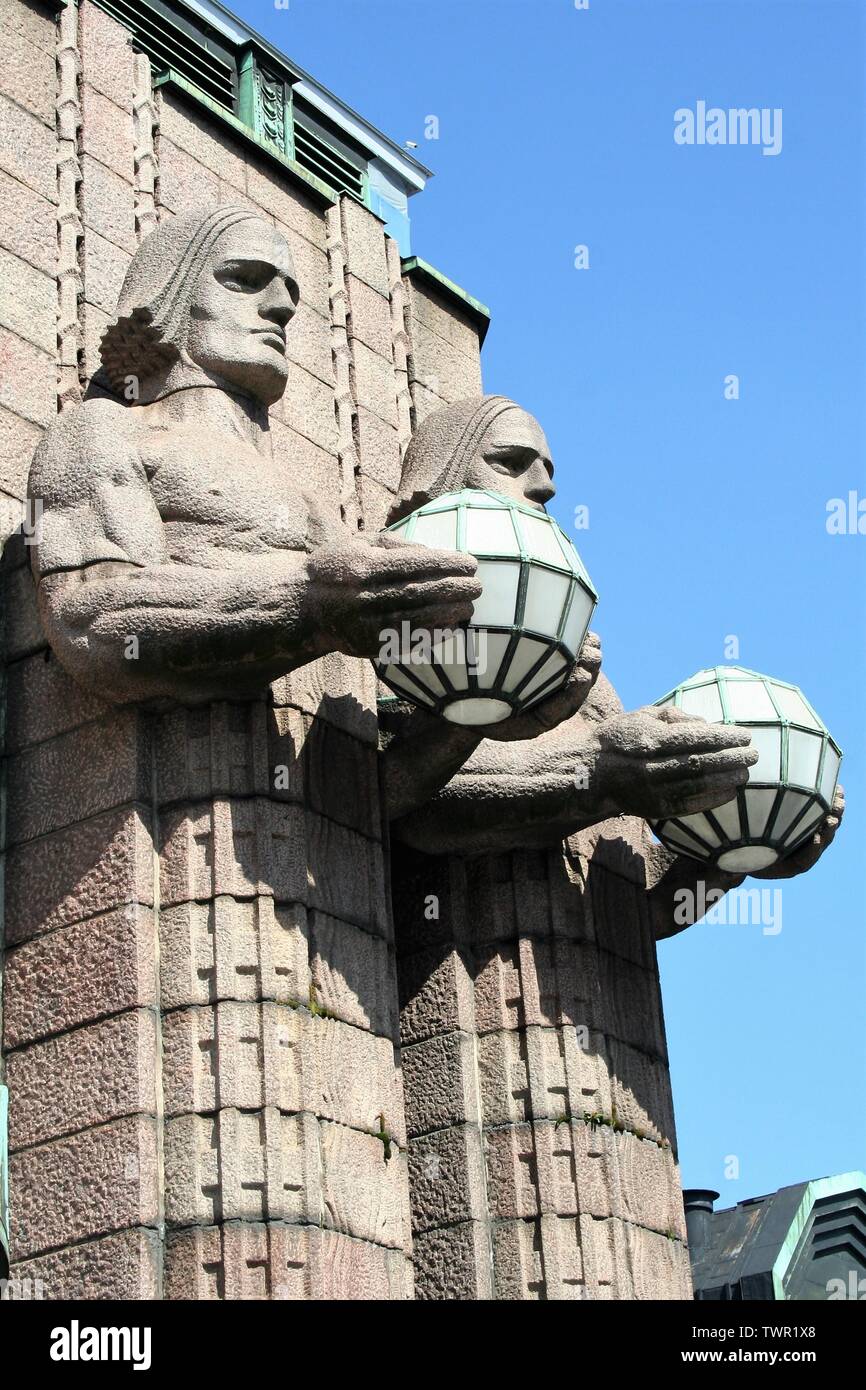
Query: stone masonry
[(201, 1011)]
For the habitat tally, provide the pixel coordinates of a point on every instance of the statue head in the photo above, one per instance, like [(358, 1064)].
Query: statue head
[(206, 300), (485, 442)]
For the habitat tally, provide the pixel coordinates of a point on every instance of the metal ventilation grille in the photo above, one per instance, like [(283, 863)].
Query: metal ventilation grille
[(169, 45), (319, 157)]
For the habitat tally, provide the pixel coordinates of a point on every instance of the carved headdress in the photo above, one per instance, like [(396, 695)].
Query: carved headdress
[(157, 290), (442, 448)]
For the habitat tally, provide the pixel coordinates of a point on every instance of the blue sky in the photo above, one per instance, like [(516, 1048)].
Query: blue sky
[(707, 515)]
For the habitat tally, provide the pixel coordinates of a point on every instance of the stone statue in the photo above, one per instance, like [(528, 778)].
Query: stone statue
[(515, 784), (173, 558)]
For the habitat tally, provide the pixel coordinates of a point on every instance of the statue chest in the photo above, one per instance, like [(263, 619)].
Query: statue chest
[(218, 497)]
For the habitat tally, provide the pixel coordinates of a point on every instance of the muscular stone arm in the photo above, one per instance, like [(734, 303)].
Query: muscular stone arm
[(131, 622)]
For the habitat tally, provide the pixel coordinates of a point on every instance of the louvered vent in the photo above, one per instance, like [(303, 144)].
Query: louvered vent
[(318, 156), (190, 51)]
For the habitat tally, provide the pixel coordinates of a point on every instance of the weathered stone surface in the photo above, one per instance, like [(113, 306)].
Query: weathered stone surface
[(263, 1165), (46, 790), (124, 1266), (374, 383), (379, 452), (107, 55), (370, 313), (28, 223), (435, 994), (79, 973), (429, 309), (85, 1185), (105, 265), (42, 702), (78, 872), (259, 1261), (207, 144), (27, 149), (107, 133), (28, 302), (108, 203), (439, 1076), (286, 201), (30, 20), (18, 439), (83, 1078), (441, 367), (28, 378), (447, 1177), (453, 1263), (227, 948), (365, 245)]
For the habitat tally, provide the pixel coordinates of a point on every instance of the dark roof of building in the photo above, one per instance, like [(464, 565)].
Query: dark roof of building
[(787, 1244)]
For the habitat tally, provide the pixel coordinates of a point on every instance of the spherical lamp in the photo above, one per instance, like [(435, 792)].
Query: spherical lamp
[(790, 788), (526, 628)]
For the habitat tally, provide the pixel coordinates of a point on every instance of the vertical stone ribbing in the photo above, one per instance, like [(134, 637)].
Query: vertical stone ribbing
[(69, 225), (344, 403), (146, 167), (537, 1091), (399, 343)]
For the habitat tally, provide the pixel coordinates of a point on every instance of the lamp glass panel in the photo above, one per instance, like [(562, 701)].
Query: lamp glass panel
[(527, 652), (546, 593), (792, 805), (759, 804), (424, 672), (578, 619), (748, 700), (804, 827), (490, 532), (768, 744), (682, 840), (701, 827), (436, 529), (455, 671), (829, 773), (700, 677), (397, 679), (804, 754), (491, 648), (792, 706), (554, 663), (702, 700), (540, 539), (496, 606), (728, 817), (556, 683)]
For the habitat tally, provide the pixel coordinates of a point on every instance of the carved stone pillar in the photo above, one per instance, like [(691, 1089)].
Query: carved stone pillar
[(541, 1137)]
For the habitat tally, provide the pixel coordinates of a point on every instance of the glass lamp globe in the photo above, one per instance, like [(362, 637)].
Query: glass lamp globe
[(790, 787), (526, 628)]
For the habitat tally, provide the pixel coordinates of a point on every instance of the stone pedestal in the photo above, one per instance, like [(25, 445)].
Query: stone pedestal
[(541, 1137)]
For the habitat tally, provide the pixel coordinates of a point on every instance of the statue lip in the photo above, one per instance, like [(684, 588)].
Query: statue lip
[(274, 331)]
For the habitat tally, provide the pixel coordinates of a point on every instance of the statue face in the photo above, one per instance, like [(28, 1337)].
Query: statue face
[(241, 308), (514, 458)]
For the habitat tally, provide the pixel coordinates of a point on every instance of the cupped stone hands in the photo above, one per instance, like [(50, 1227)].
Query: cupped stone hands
[(360, 591), (656, 763)]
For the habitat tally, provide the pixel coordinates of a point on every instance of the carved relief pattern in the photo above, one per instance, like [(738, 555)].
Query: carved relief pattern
[(399, 342), (146, 168), (344, 402), (69, 225), (272, 108)]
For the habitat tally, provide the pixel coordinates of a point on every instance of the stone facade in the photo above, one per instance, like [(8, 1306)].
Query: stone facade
[(201, 1011)]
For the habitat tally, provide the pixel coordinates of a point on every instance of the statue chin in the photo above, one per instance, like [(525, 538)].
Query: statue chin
[(261, 378)]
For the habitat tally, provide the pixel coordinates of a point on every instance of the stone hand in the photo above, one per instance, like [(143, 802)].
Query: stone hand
[(358, 591), (809, 853), (557, 707), (661, 762)]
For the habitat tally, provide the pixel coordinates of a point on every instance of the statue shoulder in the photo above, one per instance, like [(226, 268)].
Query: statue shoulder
[(84, 445)]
